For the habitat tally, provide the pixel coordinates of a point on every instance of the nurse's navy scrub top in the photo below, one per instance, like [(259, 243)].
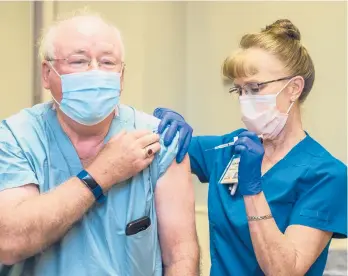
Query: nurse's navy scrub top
[(34, 149), (307, 187)]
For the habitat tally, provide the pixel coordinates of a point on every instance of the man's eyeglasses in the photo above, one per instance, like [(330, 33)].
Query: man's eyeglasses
[(83, 63), (253, 87)]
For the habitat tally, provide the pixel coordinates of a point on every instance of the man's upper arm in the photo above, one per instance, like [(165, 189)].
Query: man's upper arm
[(175, 206)]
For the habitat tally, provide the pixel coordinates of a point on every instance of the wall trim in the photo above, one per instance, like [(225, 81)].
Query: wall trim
[(43, 15)]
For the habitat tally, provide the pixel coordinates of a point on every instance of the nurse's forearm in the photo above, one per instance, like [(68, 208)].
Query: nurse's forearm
[(39, 221), (276, 255)]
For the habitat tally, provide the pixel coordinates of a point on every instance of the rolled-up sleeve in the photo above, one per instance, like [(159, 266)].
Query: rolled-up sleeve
[(167, 154)]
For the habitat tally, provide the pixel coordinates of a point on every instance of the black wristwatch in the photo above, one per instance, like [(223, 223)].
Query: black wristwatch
[(95, 188)]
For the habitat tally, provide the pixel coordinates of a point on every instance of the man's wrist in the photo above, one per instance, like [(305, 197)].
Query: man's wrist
[(92, 185), (100, 177)]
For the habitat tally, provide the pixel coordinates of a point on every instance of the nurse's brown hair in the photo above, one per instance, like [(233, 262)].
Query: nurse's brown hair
[(281, 39)]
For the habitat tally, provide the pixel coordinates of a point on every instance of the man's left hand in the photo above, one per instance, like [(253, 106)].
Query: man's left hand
[(175, 122)]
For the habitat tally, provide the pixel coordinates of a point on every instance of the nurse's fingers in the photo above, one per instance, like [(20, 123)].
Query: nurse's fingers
[(164, 123), (250, 145), (252, 135), (170, 134), (147, 139), (183, 147), (158, 112), (246, 144), (240, 149)]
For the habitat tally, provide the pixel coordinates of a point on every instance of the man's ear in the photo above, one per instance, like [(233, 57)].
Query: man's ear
[(297, 85), (45, 71)]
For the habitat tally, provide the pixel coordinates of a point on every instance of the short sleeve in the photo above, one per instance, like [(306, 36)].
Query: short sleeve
[(15, 170), (202, 157), (322, 202)]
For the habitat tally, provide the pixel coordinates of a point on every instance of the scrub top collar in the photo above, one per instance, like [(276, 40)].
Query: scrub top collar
[(292, 158), (64, 143)]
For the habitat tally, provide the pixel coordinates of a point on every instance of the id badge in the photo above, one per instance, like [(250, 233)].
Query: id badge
[(230, 174)]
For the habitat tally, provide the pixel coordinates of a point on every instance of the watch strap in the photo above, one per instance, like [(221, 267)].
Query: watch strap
[(93, 185)]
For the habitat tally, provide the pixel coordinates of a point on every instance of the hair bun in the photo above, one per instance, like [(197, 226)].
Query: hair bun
[(285, 29)]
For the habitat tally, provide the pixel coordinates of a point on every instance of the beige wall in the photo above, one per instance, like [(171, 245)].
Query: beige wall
[(174, 53), (16, 57)]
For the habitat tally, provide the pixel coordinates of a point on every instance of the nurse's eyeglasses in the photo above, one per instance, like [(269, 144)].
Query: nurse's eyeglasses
[(253, 87)]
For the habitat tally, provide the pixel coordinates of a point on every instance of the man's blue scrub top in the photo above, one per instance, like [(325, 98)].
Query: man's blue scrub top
[(307, 187), (34, 149)]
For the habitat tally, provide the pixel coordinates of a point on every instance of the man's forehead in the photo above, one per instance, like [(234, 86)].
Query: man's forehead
[(87, 47), (79, 30), (79, 39), (90, 27)]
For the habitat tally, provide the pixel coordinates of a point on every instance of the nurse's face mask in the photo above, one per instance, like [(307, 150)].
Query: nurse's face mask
[(261, 115), (89, 97)]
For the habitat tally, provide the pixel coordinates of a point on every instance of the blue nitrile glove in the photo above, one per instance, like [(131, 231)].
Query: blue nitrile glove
[(175, 122), (251, 152)]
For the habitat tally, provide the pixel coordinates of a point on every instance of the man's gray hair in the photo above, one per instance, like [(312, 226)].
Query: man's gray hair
[(46, 43)]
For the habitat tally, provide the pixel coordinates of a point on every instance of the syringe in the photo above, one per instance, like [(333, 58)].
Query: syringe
[(230, 143)]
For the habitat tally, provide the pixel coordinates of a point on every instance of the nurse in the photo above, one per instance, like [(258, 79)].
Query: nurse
[(291, 198)]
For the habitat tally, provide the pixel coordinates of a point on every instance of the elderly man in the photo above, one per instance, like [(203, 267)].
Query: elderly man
[(86, 187)]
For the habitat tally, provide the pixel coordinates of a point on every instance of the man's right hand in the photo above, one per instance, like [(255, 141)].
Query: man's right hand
[(125, 155)]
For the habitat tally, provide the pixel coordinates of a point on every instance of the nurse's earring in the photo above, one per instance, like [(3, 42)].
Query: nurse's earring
[(294, 98), (292, 103)]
